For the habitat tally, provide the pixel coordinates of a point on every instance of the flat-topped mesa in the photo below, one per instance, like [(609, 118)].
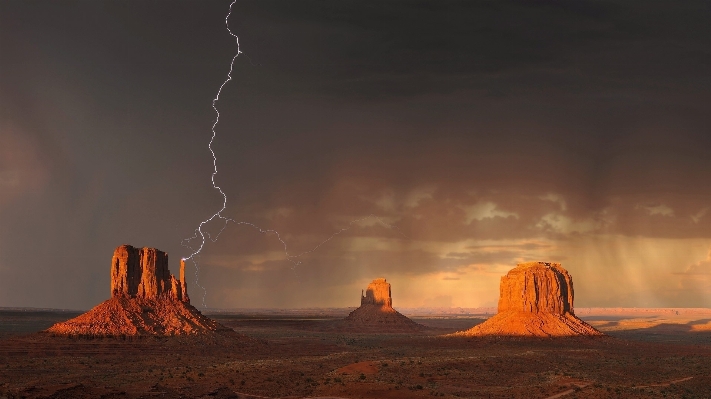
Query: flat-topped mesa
[(143, 273), (536, 300), (377, 293), (537, 287)]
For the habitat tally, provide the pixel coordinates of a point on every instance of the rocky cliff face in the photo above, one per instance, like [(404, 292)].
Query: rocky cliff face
[(143, 273), (377, 293), (536, 299), (537, 287)]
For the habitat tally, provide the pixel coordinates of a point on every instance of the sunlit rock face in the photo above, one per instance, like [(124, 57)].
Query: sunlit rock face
[(145, 300), (536, 299), (377, 293), (143, 273), (537, 287)]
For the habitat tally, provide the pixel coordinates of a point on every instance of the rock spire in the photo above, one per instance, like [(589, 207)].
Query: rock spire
[(537, 287)]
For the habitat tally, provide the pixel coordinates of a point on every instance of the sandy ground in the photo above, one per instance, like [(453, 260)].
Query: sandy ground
[(647, 354)]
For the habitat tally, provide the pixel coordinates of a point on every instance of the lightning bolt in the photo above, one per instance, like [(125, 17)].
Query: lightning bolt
[(202, 235), (194, 256), (294, 259)]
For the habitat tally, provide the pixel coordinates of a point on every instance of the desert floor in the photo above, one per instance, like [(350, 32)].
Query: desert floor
[(649, 353)]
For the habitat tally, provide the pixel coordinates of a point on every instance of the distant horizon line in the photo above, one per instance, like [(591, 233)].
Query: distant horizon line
[(400, 308)]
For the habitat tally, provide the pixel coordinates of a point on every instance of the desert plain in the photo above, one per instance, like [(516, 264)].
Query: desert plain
[(301, 353)]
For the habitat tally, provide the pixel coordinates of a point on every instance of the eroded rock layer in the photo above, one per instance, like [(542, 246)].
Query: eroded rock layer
[(536, 299), (145, 300), (119, 317)]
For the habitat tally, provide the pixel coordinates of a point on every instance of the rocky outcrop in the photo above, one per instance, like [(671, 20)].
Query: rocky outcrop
[(536, 287), (143, 273), (183, 285), (377, 293), (376, 314), (125, 317), (536, 299), (145, 300)]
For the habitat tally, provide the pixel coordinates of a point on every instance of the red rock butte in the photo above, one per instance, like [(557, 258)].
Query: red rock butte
[(145, 300), (378, 293), (536, 299), (376, 313), (143, 273)]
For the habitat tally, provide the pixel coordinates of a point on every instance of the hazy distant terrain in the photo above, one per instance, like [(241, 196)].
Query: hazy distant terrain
[(14, 321)]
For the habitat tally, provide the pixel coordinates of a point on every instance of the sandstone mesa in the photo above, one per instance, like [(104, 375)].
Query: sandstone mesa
[(536, 300), (376, 313), (145, 300)]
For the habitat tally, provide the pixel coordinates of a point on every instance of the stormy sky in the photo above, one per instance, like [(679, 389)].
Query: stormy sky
[(477, 134)]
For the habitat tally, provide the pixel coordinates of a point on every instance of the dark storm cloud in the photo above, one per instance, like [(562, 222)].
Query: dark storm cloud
[(591, 99), (487, 132), (383, 49)]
